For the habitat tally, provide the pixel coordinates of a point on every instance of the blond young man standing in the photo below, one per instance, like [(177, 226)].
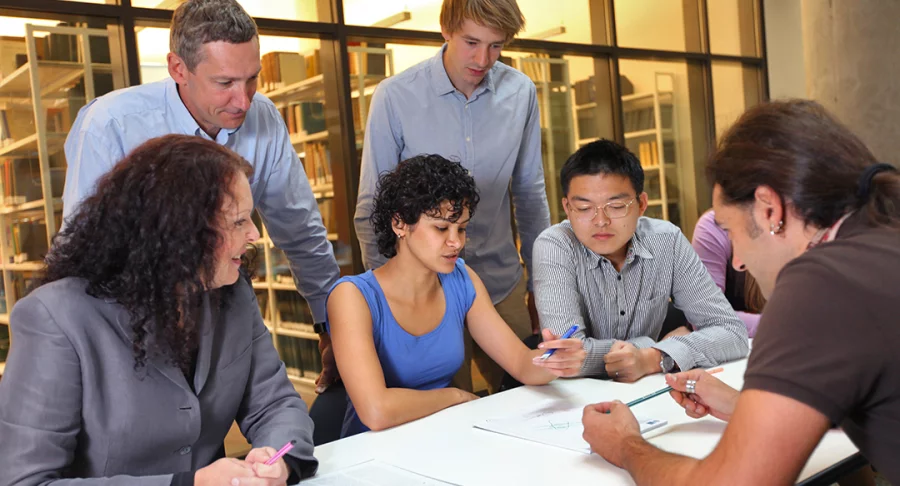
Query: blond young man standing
[(464, 105)]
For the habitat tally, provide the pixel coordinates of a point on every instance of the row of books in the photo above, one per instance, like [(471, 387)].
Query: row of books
[(644, 119), (293, 308), (305, 117), (280, 69), (317, 162), (301, 356), (648, 154)]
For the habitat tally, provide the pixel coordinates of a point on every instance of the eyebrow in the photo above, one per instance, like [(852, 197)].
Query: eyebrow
[(476, 39), (236, 78)]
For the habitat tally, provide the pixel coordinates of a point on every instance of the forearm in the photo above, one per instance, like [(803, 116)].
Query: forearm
[(529, 374), (396, 406), (651, 466)]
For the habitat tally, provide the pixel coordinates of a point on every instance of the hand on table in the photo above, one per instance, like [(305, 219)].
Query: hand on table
[(566, 360), (711, 396), (607, 426), (223, 471), (329, 374), (626, 363), (274, 475)]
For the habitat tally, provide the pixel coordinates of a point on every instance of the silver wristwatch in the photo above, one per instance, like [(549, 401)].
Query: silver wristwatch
[(666, 363)]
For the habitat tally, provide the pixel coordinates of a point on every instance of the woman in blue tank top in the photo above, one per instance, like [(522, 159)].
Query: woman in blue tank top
[(397, 331)]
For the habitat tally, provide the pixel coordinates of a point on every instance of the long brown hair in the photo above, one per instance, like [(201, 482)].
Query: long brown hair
[(147, 238), (809, 159), (754, 301)]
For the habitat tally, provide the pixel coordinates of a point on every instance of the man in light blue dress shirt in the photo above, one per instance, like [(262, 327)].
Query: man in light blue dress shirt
[(463, 105), (214, 65)]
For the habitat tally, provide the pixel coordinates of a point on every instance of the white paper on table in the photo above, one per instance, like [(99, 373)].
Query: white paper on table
[(373, 473), (552, 422)]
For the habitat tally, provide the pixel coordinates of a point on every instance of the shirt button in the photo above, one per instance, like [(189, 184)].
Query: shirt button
[(184, 450), (468, 139), (618, 277), (621, 313)]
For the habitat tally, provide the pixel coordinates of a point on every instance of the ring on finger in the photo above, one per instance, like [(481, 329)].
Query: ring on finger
[(691, 386)]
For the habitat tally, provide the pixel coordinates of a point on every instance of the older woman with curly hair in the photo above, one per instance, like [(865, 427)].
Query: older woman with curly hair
[(397, 331), (145, 343)]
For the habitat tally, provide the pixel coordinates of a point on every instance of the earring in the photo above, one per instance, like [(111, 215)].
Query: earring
[(773, 230)]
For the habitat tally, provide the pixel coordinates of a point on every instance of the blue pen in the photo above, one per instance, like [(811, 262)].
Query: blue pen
[(567, 335)]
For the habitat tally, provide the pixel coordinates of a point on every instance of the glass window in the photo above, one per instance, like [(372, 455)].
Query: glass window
[(573, 99), (49, 69), (661, 112), (735, 88), (281, 9), (733, 27), (567, 21), (658, 24)]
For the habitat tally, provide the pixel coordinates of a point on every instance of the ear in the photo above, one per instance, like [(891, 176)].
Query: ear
[(768, 210), (445, 34), (400, 228), (643, 202), (566, 208), (177, 68)]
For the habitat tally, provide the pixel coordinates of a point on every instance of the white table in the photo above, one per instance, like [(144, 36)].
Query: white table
[(445, 446)]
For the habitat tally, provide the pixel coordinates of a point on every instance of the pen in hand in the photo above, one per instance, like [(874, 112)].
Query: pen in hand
[(284, 450), (567, 335)]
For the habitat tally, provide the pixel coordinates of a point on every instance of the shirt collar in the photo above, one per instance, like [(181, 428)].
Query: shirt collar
[(440, 80), (185, 120)]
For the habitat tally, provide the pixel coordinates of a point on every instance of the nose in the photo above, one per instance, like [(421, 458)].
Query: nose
[(738, 264), (481, 57), (242, 99), (254, 234), (454, 240), (600, 218)]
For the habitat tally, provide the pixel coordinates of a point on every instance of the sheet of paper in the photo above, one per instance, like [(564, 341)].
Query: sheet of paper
[(554, 423), (373, 473)]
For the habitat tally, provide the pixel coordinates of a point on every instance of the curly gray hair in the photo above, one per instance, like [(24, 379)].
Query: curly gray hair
[(197, 22)]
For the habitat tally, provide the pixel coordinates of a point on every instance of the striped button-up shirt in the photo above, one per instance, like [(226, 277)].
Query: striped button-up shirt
[(574, 285)]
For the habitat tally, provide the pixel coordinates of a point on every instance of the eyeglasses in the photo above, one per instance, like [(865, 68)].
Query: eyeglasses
[(612, 210)]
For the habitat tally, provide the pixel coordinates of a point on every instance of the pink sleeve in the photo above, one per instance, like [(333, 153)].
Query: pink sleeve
[(751, 321), (711, 243)]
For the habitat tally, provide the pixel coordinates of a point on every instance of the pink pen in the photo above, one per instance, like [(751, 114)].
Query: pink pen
[(284, 450)]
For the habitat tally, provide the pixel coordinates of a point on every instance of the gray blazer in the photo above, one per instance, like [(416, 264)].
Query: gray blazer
[(73, 406)]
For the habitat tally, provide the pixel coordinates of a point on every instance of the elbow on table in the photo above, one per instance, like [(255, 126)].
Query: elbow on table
[(375, 417)]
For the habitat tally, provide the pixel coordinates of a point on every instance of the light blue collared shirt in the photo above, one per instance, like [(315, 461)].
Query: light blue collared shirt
[(110, 126), (496, 135)]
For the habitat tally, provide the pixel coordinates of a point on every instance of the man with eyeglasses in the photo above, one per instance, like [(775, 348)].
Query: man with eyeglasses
[(612, 273)]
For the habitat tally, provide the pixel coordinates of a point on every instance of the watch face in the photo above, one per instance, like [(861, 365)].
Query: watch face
[(668, 363)]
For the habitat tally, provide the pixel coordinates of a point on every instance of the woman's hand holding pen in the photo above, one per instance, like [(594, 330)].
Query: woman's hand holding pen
[(701, 394), (567, 357)]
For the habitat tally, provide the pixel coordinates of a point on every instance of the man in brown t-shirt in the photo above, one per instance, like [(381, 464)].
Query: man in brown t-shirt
[(825, 354)]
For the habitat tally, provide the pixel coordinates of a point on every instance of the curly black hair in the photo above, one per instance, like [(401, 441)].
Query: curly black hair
[(418, 186), (147, 238)]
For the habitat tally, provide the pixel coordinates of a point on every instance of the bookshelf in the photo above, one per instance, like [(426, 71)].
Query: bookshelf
[(45, 78), (649, 125), (294, 83), (554, 95)]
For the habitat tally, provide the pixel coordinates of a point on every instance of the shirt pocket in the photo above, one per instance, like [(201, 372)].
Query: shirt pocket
[(651, 315)]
